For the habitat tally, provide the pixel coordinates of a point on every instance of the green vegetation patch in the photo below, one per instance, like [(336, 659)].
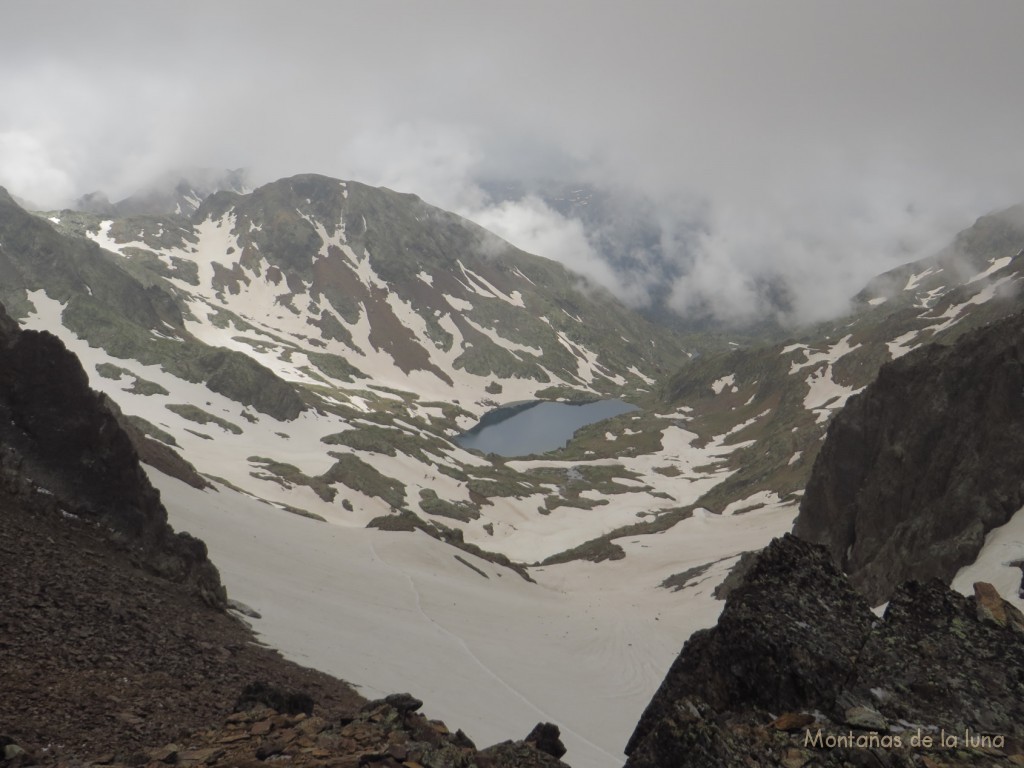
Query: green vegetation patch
[(111, 371), (566, 394), (554, 501), (288, 475), (143, 386), (605, 548), (463, 511), (140, 386), (300, 512), (483, 357), (389, 441), (501, 487), (591, 441), (150, 429), (352, 471), (335, 366), (198, 415), (407, 520)]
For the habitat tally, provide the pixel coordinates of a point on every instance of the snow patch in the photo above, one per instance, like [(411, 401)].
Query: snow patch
[(1002, 546), (994, 266), (828, 355), (914, 280), (824, 395), (726, 381)]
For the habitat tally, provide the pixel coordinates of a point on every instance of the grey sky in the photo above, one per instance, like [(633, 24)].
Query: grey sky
[(825, 141)]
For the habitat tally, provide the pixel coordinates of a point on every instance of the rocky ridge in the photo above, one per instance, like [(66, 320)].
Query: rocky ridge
[(386, 733), (59, 439), (173, 194), (918, 468), (800, 672)]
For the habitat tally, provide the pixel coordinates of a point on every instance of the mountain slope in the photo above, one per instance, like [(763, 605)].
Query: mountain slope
[(408, 295), (111, 308), (771, 403), (924, 463), (399, 324), (375, 325)]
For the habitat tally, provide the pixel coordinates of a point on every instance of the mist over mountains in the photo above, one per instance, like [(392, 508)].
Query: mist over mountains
[(264, 266), (812, 148), (651, 254)]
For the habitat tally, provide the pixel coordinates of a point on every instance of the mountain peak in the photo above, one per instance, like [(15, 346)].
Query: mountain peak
[(176, 192)]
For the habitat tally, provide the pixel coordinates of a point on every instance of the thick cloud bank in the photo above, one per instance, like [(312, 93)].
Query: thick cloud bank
[(787, 151)]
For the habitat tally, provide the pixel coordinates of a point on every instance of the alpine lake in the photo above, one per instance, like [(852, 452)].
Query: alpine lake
[(537, 426)]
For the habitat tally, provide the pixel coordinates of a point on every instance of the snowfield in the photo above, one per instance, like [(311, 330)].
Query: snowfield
[(585, 647)]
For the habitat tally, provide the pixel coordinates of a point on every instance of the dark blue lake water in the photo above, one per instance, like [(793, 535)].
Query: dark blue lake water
[(519, 430)]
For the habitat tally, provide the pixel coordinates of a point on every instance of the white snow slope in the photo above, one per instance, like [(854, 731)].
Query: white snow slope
[(585, 647)]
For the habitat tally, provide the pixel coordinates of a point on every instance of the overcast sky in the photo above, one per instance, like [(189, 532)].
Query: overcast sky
[(822, 141)]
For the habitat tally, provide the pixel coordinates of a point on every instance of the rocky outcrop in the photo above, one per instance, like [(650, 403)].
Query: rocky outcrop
[(59, 439), (799, 671), (387, 733), (238, 377), (921, 465)]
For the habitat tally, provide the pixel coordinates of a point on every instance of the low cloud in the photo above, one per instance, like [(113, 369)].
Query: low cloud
[(531, 225), (786, 152), (30, 171)]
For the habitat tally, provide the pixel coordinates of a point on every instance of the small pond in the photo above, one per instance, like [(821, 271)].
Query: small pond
[(536, 427)]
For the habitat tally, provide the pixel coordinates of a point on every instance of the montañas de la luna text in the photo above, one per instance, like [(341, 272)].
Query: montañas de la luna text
[(920, 739)]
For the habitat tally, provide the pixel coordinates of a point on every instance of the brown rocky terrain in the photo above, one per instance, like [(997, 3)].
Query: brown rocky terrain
[(100, 656), (115, 645), (799, 672)]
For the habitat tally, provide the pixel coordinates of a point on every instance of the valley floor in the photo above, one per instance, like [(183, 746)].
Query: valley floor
[(585, 647)]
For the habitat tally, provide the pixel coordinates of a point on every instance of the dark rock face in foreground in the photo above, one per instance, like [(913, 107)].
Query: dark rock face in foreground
[(922, 464), (799, 671), (59, 439)]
